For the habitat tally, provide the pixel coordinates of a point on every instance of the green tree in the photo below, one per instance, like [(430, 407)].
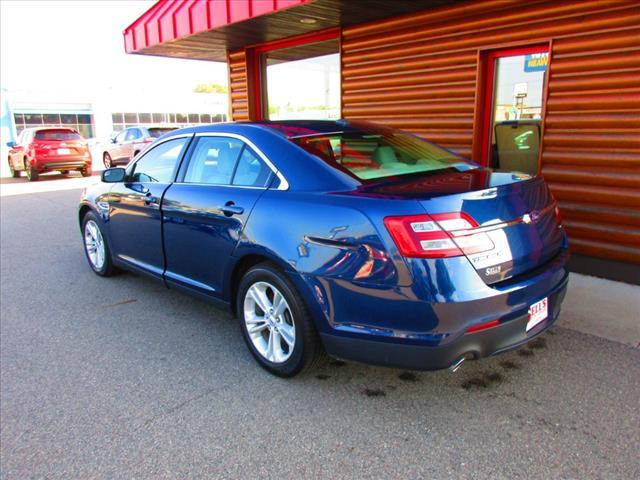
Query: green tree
[(210, 88)]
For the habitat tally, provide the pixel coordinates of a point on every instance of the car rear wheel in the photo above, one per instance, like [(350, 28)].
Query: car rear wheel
[(86, 172), (96, 247), (14, 173), (106, 159), (275, 322), (32, 174)]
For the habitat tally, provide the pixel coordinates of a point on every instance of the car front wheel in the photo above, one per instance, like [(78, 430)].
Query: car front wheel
[(96, 247), (275, 322)]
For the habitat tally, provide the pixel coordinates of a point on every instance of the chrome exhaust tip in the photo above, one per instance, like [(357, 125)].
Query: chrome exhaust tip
[(457, 364)]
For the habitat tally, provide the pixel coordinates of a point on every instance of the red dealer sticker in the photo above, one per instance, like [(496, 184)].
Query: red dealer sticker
[(538, 312)]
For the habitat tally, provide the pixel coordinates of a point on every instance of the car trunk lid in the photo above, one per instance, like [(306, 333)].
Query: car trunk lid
[(515, 211)]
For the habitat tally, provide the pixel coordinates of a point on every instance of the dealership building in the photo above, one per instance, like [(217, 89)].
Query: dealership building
[(542, 86)]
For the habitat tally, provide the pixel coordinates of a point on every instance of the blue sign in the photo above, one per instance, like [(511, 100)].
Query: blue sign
[(536, 62)]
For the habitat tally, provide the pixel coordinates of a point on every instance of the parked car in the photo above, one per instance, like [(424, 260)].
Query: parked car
[(125, 145), (45, 149), (365, 242)]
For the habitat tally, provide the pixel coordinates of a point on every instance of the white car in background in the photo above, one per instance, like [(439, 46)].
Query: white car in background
[(129, 142)]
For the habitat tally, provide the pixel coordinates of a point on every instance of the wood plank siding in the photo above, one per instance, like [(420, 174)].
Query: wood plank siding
[(238, 88), (424, 73)]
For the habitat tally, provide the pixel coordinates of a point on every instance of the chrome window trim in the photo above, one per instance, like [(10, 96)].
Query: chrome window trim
[(284, 185)]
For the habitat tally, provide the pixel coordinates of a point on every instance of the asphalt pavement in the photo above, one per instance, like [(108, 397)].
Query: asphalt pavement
[(122, 378)]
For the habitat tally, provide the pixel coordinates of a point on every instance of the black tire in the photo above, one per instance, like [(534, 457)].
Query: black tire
[(32, 174), (107, 269), (86, 172), (106, 159), (14, 173), (307, 350)]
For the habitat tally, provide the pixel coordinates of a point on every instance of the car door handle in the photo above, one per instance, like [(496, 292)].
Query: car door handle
[(231, 209)]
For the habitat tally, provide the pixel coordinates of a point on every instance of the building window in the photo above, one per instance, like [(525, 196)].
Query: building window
[(144, 118), (82, 122), (513, 108), (300, 81), (126, 120), (131, 118)]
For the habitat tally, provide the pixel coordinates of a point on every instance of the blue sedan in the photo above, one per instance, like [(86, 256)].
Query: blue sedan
[(364, 242)]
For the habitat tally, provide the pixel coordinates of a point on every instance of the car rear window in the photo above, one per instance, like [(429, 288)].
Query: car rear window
[(52, 135), (158, 132), (370, 154)]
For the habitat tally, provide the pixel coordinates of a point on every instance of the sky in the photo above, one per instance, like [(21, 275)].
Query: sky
[(78, 45)]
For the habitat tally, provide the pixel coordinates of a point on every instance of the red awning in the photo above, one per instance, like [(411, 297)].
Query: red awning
[(169, 20), (208, 29)]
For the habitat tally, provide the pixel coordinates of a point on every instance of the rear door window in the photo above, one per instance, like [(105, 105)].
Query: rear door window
[(251, 170), (213, 161)]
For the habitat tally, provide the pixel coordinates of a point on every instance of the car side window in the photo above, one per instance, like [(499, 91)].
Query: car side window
[(132, 134), (159, 163), (213, 161), (251, 170)]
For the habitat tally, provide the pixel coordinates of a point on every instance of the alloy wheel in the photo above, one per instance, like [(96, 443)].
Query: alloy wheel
[(269, 322), (94, 244)]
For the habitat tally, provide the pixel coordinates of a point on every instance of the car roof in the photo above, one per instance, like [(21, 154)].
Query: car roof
[(272, 138), (285, 128)]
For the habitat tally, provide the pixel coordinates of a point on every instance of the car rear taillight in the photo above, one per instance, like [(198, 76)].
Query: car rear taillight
[(41, 148), (437, 236)]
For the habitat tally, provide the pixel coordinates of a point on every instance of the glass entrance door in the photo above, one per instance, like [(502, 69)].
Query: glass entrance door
[(514, 100)]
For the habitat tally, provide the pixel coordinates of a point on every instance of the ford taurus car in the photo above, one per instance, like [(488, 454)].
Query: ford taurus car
[(46, 149), (364, 242)]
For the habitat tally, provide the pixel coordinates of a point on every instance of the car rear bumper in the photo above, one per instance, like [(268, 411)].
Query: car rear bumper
[(64, 164), (509, 334)]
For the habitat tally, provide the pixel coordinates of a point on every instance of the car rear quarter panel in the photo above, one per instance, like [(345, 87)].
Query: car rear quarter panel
[(421, 300)]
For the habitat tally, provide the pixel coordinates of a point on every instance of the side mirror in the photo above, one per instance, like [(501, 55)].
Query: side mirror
[(112, 139), (11, 144), (114, 175)]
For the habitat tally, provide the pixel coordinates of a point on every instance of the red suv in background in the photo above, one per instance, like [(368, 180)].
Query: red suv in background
[(40, 150)]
